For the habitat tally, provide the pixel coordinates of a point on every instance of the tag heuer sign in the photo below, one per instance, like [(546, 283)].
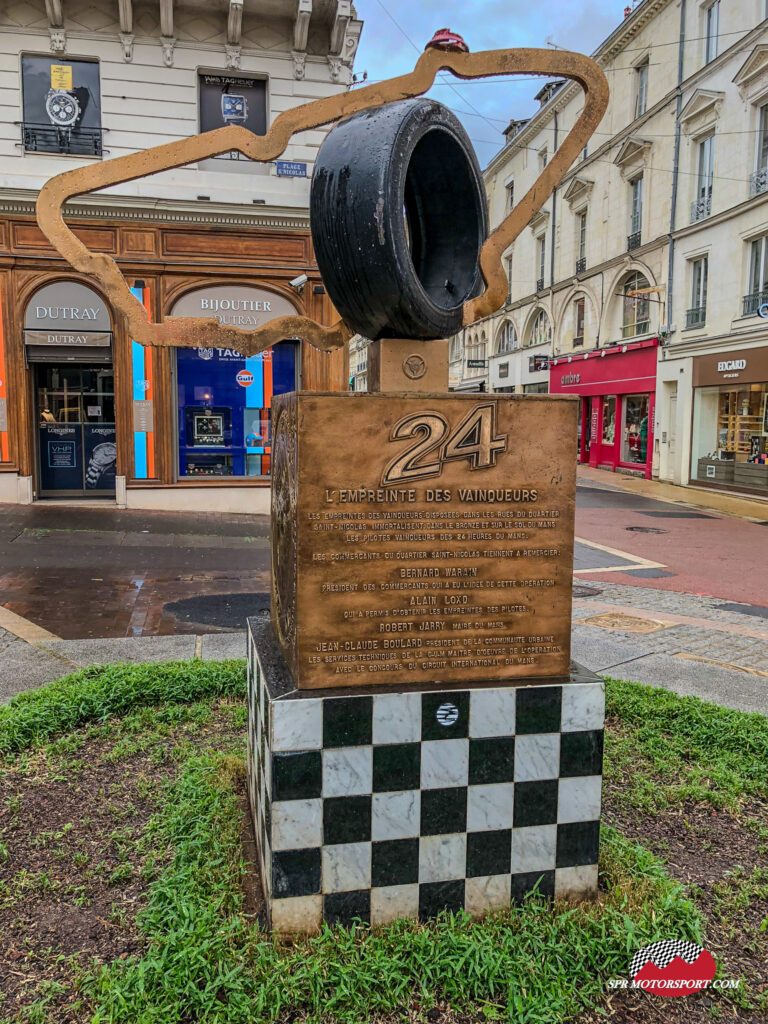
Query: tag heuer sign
[(290, 169)]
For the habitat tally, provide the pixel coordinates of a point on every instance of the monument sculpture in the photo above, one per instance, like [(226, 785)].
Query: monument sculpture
[(418, 738)]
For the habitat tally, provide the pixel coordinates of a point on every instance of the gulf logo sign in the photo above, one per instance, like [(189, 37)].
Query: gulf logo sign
[(244, 378)]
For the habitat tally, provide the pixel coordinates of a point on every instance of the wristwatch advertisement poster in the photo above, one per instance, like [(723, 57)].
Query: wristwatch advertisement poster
[(61, 94), (233, 100)]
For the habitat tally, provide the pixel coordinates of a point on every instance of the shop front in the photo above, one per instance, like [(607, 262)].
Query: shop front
[(617, 388), (729, 437)]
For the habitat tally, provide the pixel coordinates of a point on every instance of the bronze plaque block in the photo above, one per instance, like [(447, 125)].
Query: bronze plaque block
[(422, 538), (397, 364)]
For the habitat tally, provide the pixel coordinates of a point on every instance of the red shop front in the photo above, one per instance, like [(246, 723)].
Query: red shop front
[(617, 387)]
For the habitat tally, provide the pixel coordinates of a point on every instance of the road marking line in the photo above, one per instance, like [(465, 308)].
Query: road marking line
[(23, 628), (635, 561)]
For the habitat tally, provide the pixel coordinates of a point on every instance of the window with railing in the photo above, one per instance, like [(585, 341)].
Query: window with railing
[(696, 316), (581, 248), (61, 106), (579, 316), (758, 276), (712, 31), (507, 338), (701, 207), (758, 181), (641, 88), (635, 213), (541, 331), (636, 309)]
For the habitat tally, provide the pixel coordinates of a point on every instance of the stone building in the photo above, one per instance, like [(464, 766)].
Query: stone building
[(85, 412), (609, 296)]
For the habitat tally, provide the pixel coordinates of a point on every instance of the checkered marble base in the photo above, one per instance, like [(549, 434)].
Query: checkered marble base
[(382, 804)]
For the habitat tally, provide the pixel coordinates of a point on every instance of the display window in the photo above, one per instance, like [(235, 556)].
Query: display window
[(730, 436), (609, 419), (634, 435), (224, 409)]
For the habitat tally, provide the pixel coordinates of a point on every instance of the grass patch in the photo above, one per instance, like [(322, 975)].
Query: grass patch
[(662, 749)]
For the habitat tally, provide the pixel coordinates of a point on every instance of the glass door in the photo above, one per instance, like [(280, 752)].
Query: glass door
[(77, 453)]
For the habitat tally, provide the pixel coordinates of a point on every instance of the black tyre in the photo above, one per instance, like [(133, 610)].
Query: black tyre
[(398, 216)]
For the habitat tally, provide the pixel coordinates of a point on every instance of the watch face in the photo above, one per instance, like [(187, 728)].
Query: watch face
[(233, 108), (62, 108)]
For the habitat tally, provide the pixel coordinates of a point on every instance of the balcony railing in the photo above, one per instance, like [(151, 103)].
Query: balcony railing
[(581, 265), (540, 284), (696, 317), (633, 241), (633, 330), (47, 138), (758, 181), (579, 341), (701, 208), (753, 302)]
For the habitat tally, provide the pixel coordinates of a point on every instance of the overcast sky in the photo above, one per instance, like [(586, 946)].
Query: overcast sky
[(385, 49)]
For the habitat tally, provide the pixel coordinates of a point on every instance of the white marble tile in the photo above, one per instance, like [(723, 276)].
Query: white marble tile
[(396, 718), (444, 763), (396, 815), (297, 824), (534, 848), (297, 914), (486, 893), (347, 771), (537, 757), (583, 707), (492, 713), (392, 902), (578, 799), (346, 867), (576, 883), (297, 724), (442, 858), (490, 807)]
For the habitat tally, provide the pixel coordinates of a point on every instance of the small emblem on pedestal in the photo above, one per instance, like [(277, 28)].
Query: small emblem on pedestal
[(414, 367)]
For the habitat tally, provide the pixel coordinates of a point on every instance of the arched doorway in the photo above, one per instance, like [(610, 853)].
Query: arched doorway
[(68, 346)]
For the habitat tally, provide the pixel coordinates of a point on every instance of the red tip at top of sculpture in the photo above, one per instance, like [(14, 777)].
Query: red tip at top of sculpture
[(444, 39)]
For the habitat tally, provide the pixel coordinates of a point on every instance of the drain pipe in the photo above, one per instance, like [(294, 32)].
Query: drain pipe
[(675, 169)]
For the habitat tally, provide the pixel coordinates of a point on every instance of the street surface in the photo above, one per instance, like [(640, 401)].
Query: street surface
[(684, 605)]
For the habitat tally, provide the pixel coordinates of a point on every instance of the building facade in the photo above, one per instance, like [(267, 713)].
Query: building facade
[(609, 296), (85, 412)]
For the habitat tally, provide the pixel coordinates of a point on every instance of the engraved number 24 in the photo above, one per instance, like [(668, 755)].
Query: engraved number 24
[(475, 439)]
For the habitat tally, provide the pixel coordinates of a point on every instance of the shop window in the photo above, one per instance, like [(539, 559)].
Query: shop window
[(507, 338), (609, 419), (758, 276), (634, 437), (641, 88), (224, 409), (636, 317), (61, 102), (536, 389), (697, 314), (730, 436), (541, 332), (712, 31)]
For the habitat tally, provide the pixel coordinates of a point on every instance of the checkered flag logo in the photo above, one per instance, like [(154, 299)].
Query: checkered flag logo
[(663, 953)]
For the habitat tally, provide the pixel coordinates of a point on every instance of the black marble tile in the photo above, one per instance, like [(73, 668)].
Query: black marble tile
[(346, 907), (444, 716), (581, 753), (347, 722), (542, 881), (395, 862), (297, 776), (295, 872), (443, 811), (489, 853), (491, 760), (577, 843), (538, 709), (396, 766), (437, 896), (346, 819), (535, 803)]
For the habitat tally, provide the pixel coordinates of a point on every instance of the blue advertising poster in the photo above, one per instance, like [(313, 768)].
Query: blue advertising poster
[(99, 456), (61, 463), (224, 408)]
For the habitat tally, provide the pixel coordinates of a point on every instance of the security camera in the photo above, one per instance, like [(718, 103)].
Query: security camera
[(299, 282)]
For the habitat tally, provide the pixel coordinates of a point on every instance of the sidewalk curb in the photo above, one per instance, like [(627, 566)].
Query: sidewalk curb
[(23, 628)]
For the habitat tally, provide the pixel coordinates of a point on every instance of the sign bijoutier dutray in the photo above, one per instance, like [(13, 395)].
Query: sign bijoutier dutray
[(234, 305)]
